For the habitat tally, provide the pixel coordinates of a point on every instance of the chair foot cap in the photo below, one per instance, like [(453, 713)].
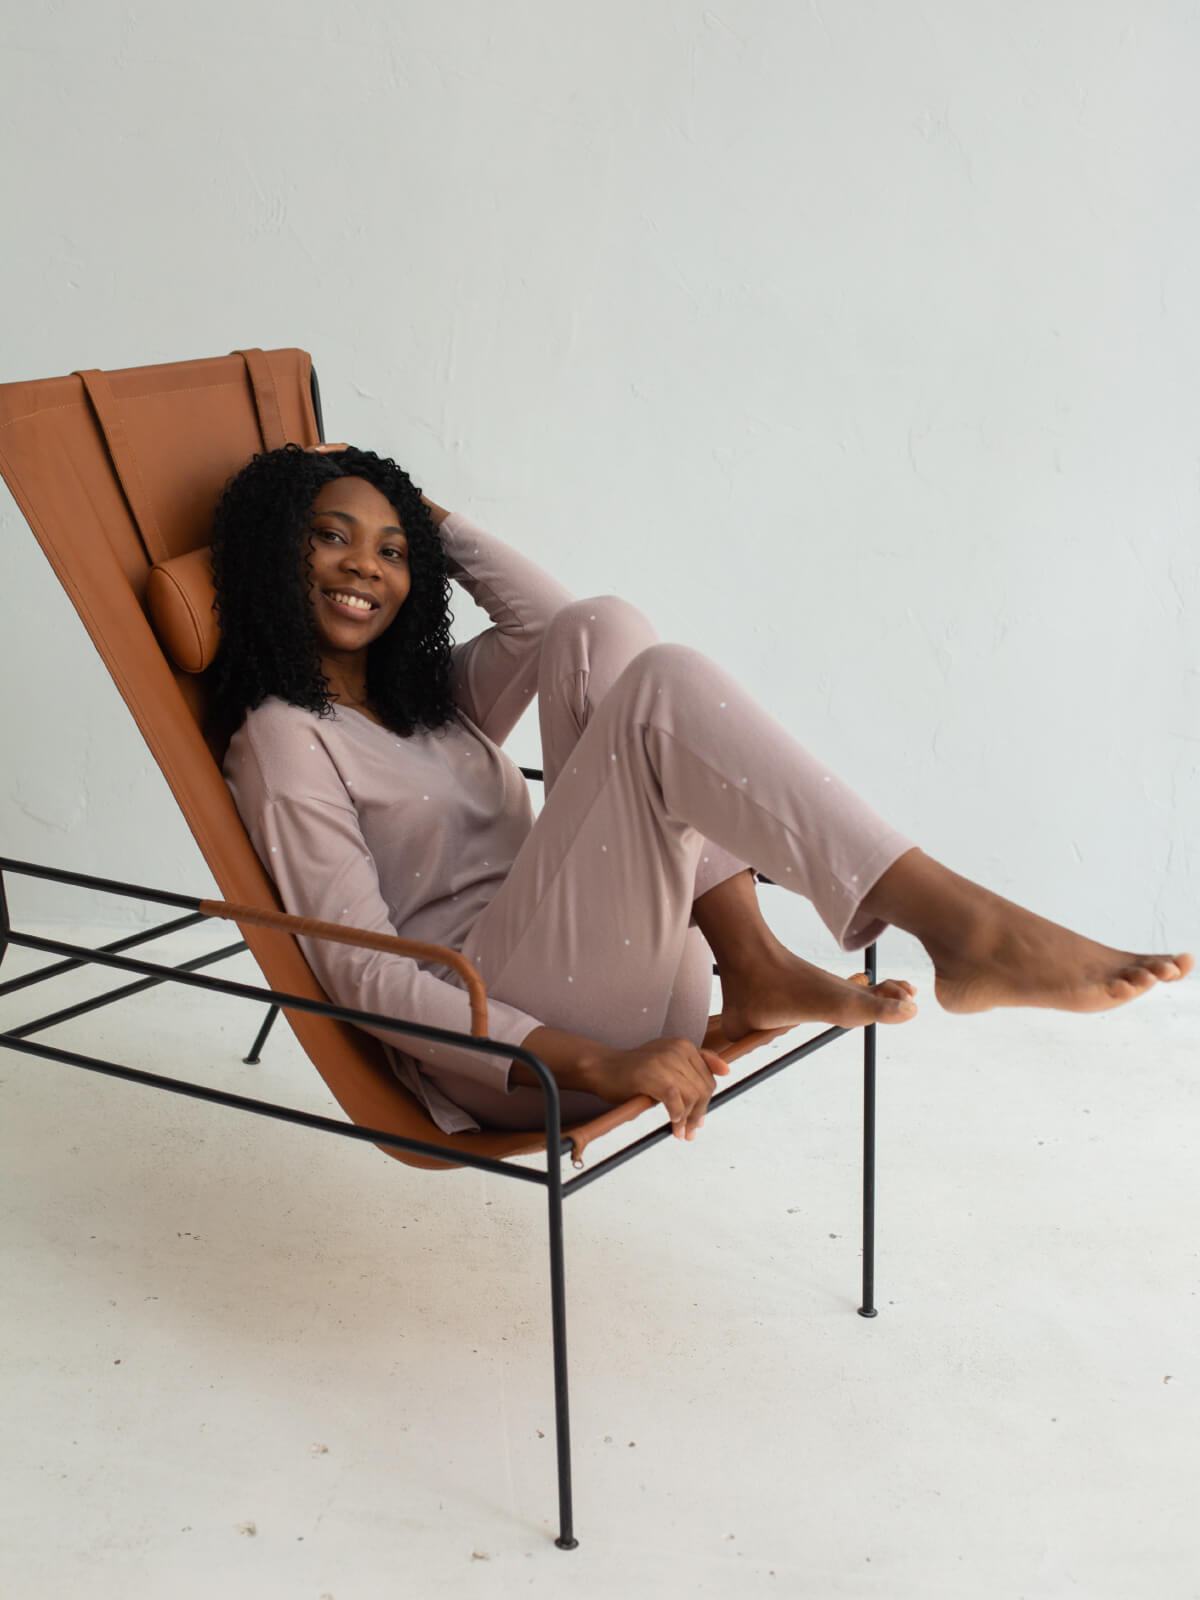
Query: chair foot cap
[(567, 1544), (863, 1312)]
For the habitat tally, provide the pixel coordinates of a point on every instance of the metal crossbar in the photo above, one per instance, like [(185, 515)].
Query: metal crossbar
[(74, 957)]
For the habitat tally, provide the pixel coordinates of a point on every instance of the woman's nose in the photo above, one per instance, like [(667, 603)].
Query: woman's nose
[(361, 559)]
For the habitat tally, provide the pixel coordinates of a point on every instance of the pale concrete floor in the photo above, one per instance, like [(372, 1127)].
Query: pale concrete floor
[(248, 1360)]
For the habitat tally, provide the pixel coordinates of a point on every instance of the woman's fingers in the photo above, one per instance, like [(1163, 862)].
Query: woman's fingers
[(710, 1067), (678, 1074), (690, 1073), (675, 1105), (716, 1063), (703, 1065), (682, 1085)]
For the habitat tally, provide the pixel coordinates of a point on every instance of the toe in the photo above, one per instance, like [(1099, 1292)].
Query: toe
[(1130, 981), (1164, 968), (900, 1010), (895, 989)]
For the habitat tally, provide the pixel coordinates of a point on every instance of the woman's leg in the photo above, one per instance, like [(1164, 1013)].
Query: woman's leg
[(587, 647), (988, 952), (686, 746), (763, 985), (589, 930)]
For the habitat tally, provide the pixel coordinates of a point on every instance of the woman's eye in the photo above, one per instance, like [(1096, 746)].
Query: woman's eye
[(393, 554), (330, 534)]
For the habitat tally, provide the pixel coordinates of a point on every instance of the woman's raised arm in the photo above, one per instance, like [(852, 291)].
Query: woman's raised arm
[(495, 674), (438, 513)]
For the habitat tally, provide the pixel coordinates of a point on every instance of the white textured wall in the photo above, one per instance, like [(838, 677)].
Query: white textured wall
[(856, 342)]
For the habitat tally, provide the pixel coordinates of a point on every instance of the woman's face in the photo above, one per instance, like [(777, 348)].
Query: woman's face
[(358, 566)]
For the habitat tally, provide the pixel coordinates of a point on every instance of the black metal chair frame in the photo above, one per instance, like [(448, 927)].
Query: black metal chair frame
[(73, 956), (149, 974)]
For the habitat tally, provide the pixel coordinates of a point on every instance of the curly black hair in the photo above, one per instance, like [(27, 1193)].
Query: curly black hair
[(269, 645)]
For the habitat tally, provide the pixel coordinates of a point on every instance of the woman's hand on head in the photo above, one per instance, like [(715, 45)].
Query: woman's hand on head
[(438, 513)]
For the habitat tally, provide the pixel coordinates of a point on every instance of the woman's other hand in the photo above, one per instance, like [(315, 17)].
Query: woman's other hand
[(438, 513), (678, 1074)]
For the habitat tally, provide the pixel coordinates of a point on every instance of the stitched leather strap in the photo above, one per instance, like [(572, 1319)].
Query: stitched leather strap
[(266, 398), (307, 927), (112, 428)]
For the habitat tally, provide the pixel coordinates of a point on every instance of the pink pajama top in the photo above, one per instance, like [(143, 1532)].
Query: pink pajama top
[(408, 836)]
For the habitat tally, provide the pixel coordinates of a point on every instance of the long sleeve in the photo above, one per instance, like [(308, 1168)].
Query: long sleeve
[(495, 674), (300, 782)]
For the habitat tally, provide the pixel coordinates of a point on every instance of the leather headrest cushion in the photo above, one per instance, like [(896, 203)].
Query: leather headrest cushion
[(179, 598)]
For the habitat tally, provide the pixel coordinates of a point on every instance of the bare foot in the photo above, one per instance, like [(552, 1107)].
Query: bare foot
[(785, 990), (1010, 957)]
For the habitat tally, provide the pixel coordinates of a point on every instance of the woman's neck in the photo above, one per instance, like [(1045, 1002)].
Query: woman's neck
[(347, 682)]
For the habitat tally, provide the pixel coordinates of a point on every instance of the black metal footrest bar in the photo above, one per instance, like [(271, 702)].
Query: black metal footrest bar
[(267, 1108), (146, 936), (81, 1009), (83, 880), (666, 1131), (152, 973), (246, 991)]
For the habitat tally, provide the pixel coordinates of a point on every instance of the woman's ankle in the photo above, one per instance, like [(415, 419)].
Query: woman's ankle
[(731, 920), (926, 899)]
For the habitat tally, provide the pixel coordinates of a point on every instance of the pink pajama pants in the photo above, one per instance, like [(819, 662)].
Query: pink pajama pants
[(663, 778)]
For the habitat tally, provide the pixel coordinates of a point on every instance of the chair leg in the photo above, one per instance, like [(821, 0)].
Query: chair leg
[(558, 1316), (867, 1309), (253, 1058)]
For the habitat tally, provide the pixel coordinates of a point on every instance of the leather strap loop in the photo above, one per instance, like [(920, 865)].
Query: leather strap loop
[(112, 428), (266, 398)]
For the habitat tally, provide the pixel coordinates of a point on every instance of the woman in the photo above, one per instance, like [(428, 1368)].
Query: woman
[(367, 769)]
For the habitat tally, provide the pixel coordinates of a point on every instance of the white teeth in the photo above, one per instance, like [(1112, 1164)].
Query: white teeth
[(351, 600)]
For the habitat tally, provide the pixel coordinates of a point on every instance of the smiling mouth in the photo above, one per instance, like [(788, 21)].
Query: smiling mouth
[(351, 602)]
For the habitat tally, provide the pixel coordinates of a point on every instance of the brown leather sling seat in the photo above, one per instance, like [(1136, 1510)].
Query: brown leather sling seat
[(118, 474)]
